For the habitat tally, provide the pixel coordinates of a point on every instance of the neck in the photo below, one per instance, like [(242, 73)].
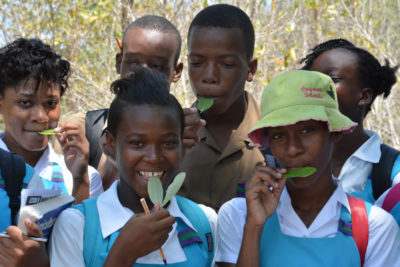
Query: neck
[(232, 117), (130, 199), (346, 146), (30, 157), (309, 202)]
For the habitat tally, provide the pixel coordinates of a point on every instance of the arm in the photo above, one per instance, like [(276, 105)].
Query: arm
[(261, 203), (76, 155), (21, 250), (141, 235)]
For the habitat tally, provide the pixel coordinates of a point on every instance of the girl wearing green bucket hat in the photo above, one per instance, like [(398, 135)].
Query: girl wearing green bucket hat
[(305, 220)]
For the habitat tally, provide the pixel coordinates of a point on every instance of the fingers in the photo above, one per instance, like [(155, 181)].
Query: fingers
[(16, 235), (266, 179), (192, 125), (33, 229)]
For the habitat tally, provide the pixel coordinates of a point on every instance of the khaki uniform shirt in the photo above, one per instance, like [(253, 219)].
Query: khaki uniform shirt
[(214, 176)]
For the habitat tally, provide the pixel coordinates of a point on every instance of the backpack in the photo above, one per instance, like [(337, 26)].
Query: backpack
[(381, 171), (94, 124), (93, 243), (13, 171)]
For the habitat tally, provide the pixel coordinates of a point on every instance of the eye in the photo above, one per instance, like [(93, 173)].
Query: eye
[(136, 143), (52, 103), (336, 79), (170, 144), (307, 130), (228, 65), (277, 136), (24, 103)]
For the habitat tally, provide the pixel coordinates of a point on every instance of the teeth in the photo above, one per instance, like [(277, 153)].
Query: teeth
[(150, 174)]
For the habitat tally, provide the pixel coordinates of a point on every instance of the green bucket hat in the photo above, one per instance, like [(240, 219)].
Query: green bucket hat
[(296, 96)]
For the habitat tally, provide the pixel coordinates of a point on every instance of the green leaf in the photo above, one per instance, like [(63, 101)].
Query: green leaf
[(174, 187), (155, 190), (48, 132), (204, 103), (300, 173)]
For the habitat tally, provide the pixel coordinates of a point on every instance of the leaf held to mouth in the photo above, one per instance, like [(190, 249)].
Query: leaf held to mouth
[(300, 173), (174, 187), (48, 132), (155, 189), (204, 103)]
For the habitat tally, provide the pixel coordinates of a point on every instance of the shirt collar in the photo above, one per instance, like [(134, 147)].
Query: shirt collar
[(370, 151), (108, 205)]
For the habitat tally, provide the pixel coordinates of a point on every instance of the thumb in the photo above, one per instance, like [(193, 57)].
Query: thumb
[(155, 208), (33, 229)]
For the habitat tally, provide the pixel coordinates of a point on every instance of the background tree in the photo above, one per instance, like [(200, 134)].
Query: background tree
[(84, 32)]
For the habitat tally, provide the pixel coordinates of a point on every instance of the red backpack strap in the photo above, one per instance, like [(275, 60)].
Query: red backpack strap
[(392, 198), (359, 224)]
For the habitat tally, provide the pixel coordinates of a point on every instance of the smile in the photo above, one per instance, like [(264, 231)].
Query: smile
[(146, 175)]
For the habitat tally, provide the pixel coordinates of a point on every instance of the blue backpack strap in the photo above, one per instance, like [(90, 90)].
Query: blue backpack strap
[(199, 221), (93, 242)]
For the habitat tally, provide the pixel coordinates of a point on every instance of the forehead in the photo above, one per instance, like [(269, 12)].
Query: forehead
[(30, 87), (335, 59), (149, 117), (215, 40), (150, 43)]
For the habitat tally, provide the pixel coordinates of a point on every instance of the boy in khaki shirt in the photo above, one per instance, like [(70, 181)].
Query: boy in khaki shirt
[(221, 46)]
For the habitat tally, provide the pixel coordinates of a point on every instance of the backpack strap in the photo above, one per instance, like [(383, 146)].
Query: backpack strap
[(93, 242), (199, 221), (13, 172), (94, 124), (381, 171), (392, 198), (359, 224)]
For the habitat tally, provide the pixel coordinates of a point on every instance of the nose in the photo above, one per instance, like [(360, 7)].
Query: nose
[(154, 154), (294, 147), (39, 114), (210, 74)]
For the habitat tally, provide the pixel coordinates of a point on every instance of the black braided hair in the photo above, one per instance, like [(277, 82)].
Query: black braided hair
[(372, 74)]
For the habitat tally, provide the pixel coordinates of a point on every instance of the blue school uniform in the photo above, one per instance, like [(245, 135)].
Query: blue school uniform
[(278, 249), (197, 246)]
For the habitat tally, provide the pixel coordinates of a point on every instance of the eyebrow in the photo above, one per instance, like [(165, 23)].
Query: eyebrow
[(220, 56), (143, 135), (136, 53)]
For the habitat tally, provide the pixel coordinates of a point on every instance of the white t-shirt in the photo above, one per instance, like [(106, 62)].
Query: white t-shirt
[(358, 166), (66, 244), (44, 168), (384, 234)]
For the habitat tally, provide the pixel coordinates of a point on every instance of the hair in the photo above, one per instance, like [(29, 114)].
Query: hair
[(227, 16), (144, 86), (159, 24), (26, 59), (371, 73)]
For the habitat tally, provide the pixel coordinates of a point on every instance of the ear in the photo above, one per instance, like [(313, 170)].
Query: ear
[(252, 69), (177, 72), (118, 60), (365, 97), (108, 146)]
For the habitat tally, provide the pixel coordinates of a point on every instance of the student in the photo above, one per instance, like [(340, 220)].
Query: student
[(145, 131), (33, 79), (311, 221), (221, 45), (150, 41), (365, 166)]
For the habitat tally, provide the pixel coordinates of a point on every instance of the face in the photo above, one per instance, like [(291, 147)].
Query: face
[(218, 66), (151, 49), (148, 142), (27, 112), (341, 66), (303, 144)]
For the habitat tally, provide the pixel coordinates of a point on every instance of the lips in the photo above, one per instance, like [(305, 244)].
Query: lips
[(145, 175)]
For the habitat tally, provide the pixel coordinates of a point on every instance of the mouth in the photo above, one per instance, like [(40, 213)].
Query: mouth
[(145, 175)]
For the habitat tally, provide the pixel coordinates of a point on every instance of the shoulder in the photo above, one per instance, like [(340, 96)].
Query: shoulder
[(232, 214), (379, 222)]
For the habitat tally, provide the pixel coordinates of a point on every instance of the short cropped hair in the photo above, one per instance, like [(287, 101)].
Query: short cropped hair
[(25, 59), (143, 86), (227, 16), (159, 24)]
